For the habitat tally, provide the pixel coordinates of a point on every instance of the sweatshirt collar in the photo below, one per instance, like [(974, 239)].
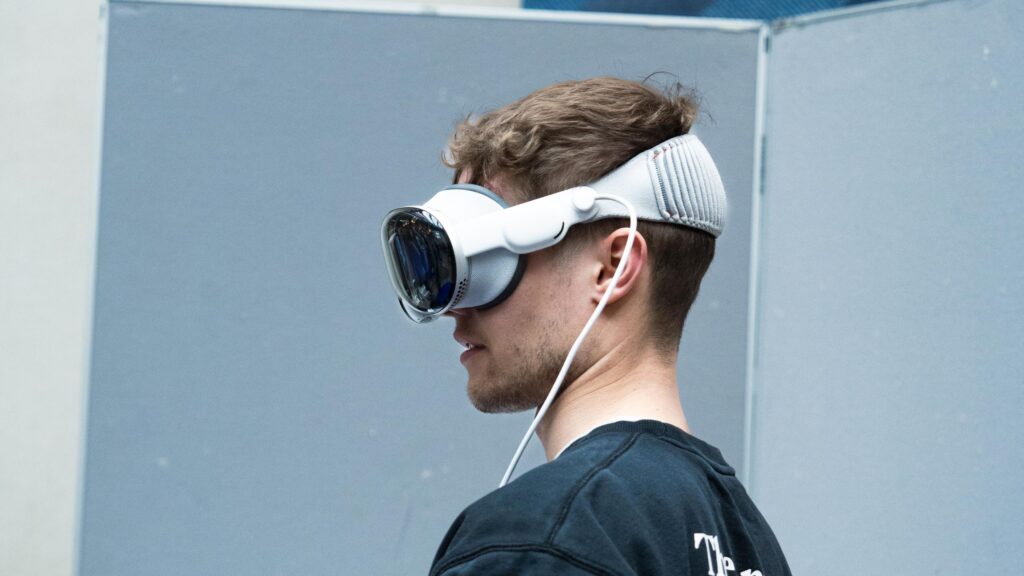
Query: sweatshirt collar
[(662, 430)]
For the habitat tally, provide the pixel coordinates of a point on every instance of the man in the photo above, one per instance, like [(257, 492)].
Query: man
[(627, 489)]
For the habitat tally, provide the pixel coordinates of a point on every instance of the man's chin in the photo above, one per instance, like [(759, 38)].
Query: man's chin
[(492, 399)]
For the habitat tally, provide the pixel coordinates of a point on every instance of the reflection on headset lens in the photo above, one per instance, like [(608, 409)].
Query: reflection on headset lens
[(422, 259)]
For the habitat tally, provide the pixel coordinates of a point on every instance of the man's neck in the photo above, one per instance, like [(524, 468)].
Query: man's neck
[(621, 385)]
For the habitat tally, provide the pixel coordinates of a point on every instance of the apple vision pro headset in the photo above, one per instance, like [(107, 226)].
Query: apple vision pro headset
[(466, 248)]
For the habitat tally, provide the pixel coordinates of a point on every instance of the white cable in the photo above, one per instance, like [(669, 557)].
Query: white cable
[(579, 339)]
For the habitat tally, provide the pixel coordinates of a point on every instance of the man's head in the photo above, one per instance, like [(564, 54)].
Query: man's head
[(561, 136)]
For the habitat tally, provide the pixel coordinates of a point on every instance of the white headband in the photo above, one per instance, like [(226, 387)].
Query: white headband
[(675, 182)]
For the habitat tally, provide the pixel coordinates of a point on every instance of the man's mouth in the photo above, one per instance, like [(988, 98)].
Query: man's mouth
[(471, 347), (466, 342)]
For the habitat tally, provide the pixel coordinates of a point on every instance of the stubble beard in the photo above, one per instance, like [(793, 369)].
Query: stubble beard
[(524, 377)]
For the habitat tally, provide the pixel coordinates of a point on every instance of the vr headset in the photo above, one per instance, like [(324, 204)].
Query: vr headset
[(465, 247)]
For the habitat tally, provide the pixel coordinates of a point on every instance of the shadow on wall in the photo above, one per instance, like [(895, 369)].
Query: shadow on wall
[(748, 9)]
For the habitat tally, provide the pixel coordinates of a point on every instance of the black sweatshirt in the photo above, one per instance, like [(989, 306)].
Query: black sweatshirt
[(640, 498)]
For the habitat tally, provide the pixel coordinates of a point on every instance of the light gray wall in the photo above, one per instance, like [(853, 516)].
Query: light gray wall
[(50, 59), (890, 377), (258, 403)]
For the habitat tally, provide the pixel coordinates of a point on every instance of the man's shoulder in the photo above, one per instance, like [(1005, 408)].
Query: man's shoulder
[(527, 509), (629, 498), (587, 499)]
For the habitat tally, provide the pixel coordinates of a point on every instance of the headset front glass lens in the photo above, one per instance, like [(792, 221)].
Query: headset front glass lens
[(422, 259)]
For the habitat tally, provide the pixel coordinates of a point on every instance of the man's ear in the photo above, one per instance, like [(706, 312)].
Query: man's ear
[(610, 254)]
